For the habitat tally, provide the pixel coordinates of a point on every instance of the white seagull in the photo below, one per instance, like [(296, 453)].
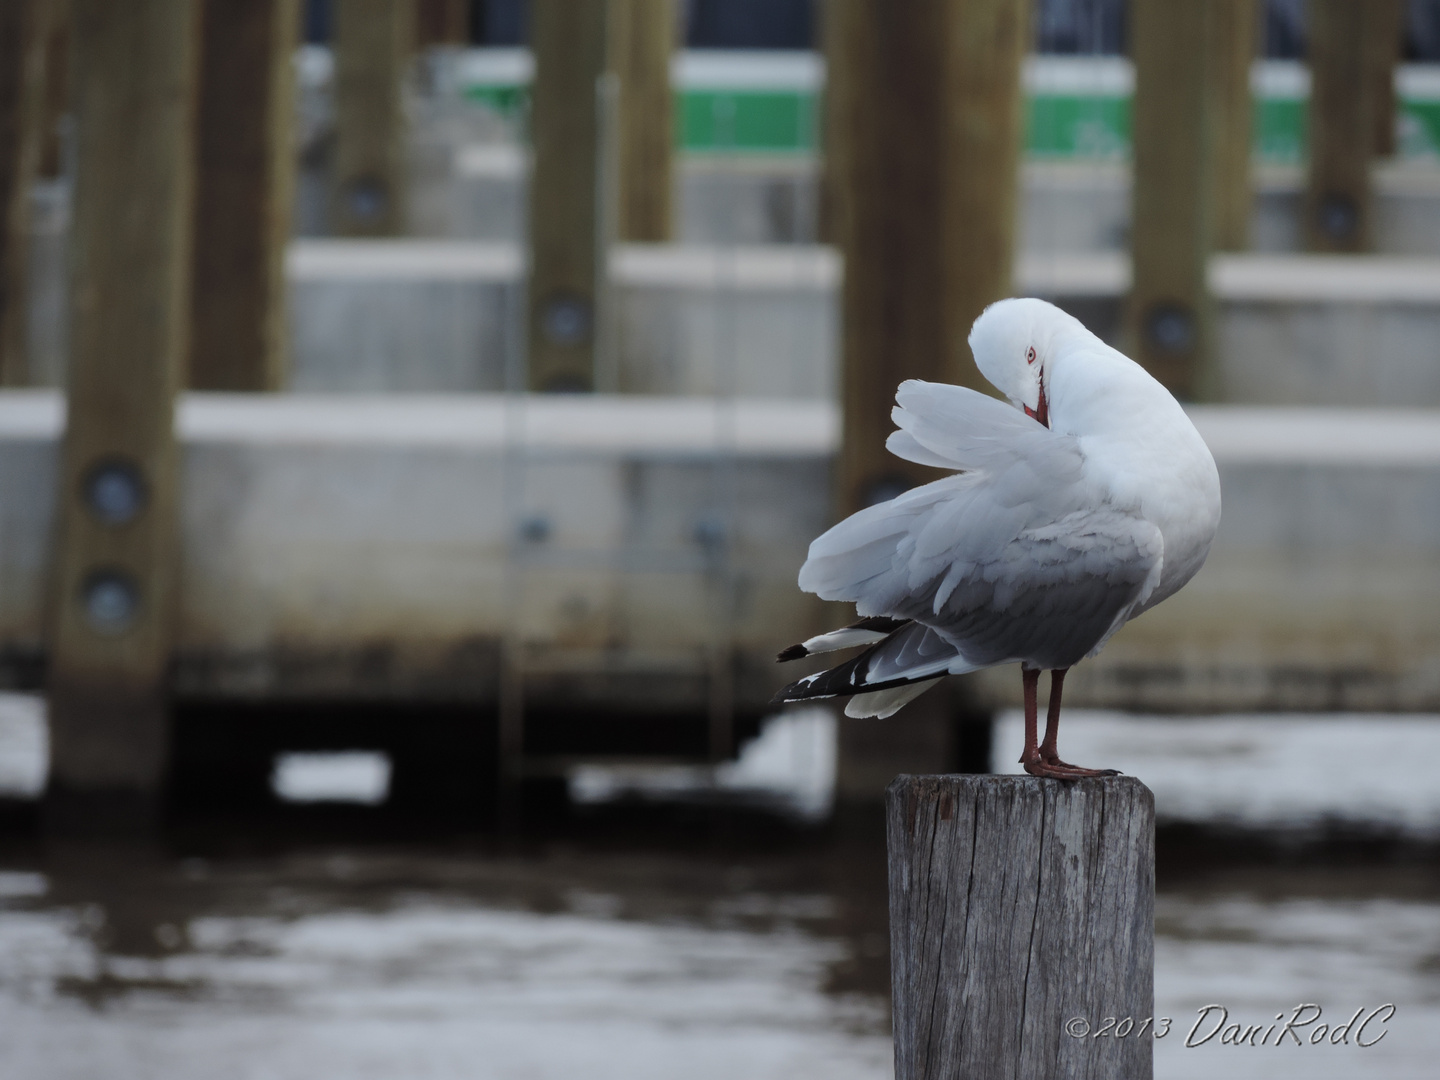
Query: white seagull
[(1090, 501)]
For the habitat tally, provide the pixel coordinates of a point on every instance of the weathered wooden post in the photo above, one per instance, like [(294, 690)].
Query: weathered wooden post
[(373, 44), (1021, 927), (244, 184), (1346, 40), (111, 610), (642, 39), (1168, 318), (1235, 29), (568, 38), (23, 25)]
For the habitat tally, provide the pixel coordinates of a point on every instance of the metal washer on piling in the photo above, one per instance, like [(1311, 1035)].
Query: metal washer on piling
[(110, 599), (114, 490), (1170, 327)]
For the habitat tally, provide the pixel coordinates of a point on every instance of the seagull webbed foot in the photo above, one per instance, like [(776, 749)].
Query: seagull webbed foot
[(1051, 767)]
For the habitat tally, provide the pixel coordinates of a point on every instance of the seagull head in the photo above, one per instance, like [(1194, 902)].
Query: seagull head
[(1015, 342)]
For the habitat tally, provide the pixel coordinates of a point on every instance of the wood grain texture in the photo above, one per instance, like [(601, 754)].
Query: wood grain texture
[(642, 40), (568, 38), (244, 183), (134, 96), (374, 40), (1235, 31), (922, 143), (1016, 904), (1169, 326)]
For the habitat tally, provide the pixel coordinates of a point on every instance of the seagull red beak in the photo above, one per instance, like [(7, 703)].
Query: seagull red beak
[(1043, 412)]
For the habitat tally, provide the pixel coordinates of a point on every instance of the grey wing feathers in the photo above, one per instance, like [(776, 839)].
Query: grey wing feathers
[(1016, 557), (1054, 595)]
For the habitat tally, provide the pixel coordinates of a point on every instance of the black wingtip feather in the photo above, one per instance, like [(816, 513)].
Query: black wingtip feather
[(845, 680), (883, 624), (794, 652), (793, 693)]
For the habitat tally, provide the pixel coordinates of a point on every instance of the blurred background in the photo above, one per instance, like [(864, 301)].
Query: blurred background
[(414, 416)]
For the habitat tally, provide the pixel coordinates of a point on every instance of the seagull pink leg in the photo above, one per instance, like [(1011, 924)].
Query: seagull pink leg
[(1048, 755), (1030, 681), (1032, 756)]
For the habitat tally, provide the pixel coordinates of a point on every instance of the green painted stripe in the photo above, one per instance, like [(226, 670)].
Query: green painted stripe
[(507, 100), (1279, 130), (1060, 126), (716, 121), (1420, 129), (1077, 127)]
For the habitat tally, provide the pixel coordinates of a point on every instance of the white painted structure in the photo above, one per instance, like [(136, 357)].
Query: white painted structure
[(386, 547), (356, 546), (762, 321)]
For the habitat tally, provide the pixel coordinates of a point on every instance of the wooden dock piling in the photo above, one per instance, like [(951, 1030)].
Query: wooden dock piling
[(1353, 49), (923, 128), (1021, 921), (1168, 322), (922, 149), (115, 572), (642, 39), (244, 183), (442, 22), (568, 38), (1235, 30), (23, 26), (1384, 38), (373, 44), (56, 104)]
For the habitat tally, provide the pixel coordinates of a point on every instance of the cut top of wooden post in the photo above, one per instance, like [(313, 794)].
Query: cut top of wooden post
[(1016, 906)]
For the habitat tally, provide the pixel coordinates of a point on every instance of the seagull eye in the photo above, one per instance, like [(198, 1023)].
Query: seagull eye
[(1030, 355)]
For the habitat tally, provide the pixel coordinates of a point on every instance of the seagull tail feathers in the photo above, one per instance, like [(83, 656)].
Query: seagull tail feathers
[(864, 632), (883, 703), (886, 676)]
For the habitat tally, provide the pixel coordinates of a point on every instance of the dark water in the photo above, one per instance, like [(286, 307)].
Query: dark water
[(689, 949), (632, 942)]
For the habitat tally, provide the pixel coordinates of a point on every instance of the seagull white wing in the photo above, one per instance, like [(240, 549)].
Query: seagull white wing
[(1018, 557)]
